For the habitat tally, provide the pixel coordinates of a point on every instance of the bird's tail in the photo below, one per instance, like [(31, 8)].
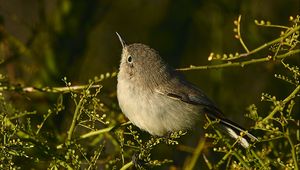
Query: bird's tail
[(234, 130)]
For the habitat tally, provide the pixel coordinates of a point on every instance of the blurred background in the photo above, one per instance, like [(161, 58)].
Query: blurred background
[(57, 38)]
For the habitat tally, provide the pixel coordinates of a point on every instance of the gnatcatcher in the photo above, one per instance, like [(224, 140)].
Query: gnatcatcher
[(157, 99)]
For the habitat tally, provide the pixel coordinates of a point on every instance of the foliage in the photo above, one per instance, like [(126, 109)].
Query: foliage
[(98, 136), (279, 130)]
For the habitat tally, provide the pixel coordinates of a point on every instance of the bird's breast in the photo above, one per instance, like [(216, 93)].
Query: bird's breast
[(153, 112)]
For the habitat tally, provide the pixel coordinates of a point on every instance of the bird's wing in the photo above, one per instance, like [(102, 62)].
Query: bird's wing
[(192, 95)]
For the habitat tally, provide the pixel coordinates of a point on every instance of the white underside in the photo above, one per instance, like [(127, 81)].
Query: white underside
[(154, 112)]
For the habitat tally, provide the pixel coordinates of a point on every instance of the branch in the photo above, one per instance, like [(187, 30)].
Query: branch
[(128, 165), (51, 89), (196, 155), (277, 40), (239, 35), (97, 132), (241, 63), (278, 107), (75, 117), (272, 42), (293, 149)]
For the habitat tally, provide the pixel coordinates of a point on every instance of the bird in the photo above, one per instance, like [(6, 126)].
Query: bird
[(158, 99)]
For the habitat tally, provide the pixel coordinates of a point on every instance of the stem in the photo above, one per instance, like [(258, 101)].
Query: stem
[(239, 34), (292, 150), (259, 160), (241, 160), (274, 26), (242, 63), (280, 39), (195, 156), (22, 115), (97, 132), (43, 122), (231, 152), (278, 107), (52, 89), (76, 113), (126, 166), (207, 162), (272, 42), (19, 133)]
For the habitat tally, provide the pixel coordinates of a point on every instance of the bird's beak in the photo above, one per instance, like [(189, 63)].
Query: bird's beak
[(121, 40)]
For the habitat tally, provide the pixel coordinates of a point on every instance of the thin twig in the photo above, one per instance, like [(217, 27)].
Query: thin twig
[(196, 155), (209, 165), (259, 160), (54, 89), (278, 107), (241, 160), (126, 166), (268, 24), (76, 113), (241, 63), (277, 40), (97, 132), (294, 155), (240, 35), (272, 42)]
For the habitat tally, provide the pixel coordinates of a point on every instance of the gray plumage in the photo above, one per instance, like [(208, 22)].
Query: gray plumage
[(158, 99)]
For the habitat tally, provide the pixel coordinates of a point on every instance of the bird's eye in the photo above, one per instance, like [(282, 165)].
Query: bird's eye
[(129, 59)]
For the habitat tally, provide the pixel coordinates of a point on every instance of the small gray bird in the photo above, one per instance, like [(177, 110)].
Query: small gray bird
[(158, 99)]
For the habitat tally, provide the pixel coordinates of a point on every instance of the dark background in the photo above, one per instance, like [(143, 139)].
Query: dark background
[(77, 39)]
